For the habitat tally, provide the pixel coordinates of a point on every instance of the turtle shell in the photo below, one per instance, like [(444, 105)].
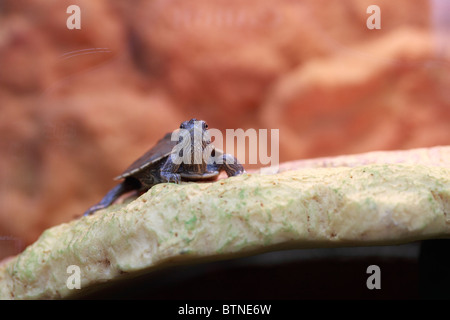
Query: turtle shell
[(162, 149)]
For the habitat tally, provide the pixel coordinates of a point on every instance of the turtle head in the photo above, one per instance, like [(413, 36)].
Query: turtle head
[(194, 136), (198, 131), (190, 124)]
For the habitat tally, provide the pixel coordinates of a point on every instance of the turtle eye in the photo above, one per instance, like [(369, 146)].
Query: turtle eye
[(182, 126), (205, 125)]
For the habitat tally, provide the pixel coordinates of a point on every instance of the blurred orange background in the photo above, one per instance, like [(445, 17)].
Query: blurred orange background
[(78, 106)]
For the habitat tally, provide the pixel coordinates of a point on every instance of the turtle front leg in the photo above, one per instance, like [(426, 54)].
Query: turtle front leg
[(169, 171), (230, 165)]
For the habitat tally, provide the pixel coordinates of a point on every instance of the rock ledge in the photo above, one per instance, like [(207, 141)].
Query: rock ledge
[(368, 204)]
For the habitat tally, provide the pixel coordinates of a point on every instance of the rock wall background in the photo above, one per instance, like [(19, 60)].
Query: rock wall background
[(78, 106)]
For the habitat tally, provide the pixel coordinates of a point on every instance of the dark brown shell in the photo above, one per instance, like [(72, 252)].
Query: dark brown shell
[(162, 149)]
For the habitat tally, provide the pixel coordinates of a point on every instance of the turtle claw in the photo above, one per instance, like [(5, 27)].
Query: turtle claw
[(171, 177)]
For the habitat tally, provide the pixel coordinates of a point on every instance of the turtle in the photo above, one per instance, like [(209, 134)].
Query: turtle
[(186, 154)]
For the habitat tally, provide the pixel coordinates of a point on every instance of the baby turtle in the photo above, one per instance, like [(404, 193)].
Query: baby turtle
[(173, 161)]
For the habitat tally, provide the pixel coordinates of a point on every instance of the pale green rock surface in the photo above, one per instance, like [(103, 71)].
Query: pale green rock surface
[(315, 207)]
